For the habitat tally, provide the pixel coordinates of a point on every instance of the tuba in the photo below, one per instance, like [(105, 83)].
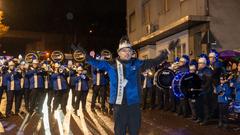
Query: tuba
[(57, 56), (106, 55), (79, 56), (30, 57)]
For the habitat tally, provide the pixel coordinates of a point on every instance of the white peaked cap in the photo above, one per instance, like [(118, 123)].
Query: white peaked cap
[(202, 60)]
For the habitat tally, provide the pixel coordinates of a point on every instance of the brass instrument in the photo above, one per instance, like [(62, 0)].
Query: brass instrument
[(106, 55), (57, 56), (30, 57), (79, 56)]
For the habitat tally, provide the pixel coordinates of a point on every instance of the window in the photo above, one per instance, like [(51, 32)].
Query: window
[(146, 12), (132, 22)]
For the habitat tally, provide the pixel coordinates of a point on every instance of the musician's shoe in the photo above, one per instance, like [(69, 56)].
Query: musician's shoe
[(204, 123), (198, 121)]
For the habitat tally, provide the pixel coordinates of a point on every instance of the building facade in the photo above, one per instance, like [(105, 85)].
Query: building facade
[(198, 24)]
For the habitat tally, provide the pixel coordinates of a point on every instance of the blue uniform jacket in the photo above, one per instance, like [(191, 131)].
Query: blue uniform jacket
[(103, 77), (38, 83), (132, 71), (224, 93), (59, 85), (12, 76), (84, 82)]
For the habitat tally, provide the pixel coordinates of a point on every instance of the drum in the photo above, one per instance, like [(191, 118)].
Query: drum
[(186, 85), (191, 85), (164, 77)]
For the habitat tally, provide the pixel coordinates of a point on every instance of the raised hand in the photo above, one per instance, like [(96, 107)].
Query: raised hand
[(92, 53), (173, 45)]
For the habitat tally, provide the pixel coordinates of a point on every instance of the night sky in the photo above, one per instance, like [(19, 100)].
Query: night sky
[(106, 19)]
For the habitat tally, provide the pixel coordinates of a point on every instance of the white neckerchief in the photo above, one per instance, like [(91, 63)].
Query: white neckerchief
[(35, 80), (46, 82), (98, 78), (145, 82), (1, 81), (79, 85), (59, 83), (12, 85), (121, 83)]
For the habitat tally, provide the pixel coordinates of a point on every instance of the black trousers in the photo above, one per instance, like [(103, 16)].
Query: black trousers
[(127, 118), (18, 99), (10, 98), (36, 99), (151, 93), (99, 89), (204, 103), (223, 108), (27, 99), (193, 107), (1, 93), (80, 96), (60, 98)]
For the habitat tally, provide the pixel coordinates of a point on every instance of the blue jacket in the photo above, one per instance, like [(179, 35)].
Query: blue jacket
[(36, 79), (102, 76), (70, 77), (132, 70), (224, 93), (237, 87), (149, 81), (81, 83), (59, 81), (13, 80), (26, 83)]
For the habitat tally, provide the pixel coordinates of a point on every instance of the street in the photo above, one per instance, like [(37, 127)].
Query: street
[(154, 122)]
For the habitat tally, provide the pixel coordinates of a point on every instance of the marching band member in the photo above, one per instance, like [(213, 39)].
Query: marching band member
[(224, 94), (183, 103), (36, 86), (2, 75), (218, 69), (26, 87), (205, 74), (13, 84), (125, 88), (60, 88), (192, 100), (99, 87), (148, 88), (19, 93), (81, 89)]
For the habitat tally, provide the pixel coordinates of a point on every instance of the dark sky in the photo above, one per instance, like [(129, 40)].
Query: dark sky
[(105, 17)]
